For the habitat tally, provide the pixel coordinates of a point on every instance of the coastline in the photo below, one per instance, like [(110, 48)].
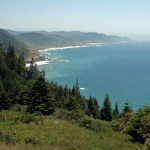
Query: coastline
[(41, 60), (61, 48)]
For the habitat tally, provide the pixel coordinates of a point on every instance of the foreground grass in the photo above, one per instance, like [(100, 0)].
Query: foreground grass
[(49, 133)]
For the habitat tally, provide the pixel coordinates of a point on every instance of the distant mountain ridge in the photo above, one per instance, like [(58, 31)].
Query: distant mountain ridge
[(44, 39), (19, 46)]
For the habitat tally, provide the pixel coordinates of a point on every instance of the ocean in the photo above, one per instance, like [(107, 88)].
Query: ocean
[(120, 69)]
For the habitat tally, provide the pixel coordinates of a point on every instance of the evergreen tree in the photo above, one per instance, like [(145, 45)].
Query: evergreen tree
[(77, 89), (90, 106), (4, 99), (11, 58), (96, 112), (127, 108), (39, 98), (20, 67), (73, 92), (106, 111), (33, 70), (71, 104), (116, 111), (3, 67)]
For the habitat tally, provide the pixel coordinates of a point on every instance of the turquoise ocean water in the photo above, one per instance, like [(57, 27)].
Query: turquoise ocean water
[(120, 69)]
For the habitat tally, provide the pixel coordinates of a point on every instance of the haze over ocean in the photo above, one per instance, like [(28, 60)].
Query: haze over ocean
[(120, 69)]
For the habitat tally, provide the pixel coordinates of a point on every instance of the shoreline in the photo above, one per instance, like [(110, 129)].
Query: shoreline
[(45, 60), (60, 48)]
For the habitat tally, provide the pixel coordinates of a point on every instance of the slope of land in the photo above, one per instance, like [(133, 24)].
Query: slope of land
[(20, 47), (48, 132), (43, 39)]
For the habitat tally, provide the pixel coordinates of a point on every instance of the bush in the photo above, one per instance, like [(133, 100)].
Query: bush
[(83, 120), (8, 138), (68, 115), (32, 140), (139, 125), (27, 118), (96, 125), (122, 122)]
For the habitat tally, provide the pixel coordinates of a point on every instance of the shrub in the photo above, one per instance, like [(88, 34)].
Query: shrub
[(9, 138), (84, 120), (32, 140), (95, 124), (122, 122), (139, 125), (68, 115), (27, 118)]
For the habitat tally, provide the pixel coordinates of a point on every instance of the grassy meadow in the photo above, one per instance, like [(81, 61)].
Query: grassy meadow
[(21, 131)]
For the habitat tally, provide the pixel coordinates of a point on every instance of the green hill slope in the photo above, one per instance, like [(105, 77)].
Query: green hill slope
[(20, 47), (47, 132)]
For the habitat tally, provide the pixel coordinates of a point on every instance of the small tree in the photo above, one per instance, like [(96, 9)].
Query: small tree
[(106, 111), (127, 109), (116, 111)]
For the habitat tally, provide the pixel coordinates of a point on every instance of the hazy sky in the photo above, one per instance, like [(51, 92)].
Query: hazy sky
[(119, 17)]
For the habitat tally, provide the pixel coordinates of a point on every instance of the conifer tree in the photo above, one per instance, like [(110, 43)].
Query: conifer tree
[(127, 108), (4, 99), (106, 111), (39, 98), (116, 111)]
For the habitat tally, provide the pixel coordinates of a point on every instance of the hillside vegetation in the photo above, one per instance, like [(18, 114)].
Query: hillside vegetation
[(19, 130), (20, 47), (39, 114)]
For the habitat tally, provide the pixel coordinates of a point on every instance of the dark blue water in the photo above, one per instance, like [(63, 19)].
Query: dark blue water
[(120, 69)]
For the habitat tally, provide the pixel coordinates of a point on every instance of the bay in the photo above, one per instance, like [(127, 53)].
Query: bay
[(120, 69)]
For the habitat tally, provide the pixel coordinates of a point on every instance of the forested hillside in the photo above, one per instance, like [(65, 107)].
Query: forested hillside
[(33, 102), (19, 47)]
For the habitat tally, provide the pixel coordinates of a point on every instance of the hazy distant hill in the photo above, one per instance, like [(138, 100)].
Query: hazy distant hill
[(43, 39), (20, 47)]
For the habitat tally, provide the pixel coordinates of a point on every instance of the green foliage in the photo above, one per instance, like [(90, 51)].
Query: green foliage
[(33, 140), (83, 120), (96, 125), (59, 134), (127, 108), (139, 126), (34, 73), (28, 118), (92, 107), (39, 99), (19, 47), (106, 111), (8, 138), (116, 111), (4, 99), (122, 122)]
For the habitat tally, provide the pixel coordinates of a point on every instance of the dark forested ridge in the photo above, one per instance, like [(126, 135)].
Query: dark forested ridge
[(28, 87)]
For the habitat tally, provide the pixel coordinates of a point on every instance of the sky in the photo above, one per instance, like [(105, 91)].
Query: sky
[(116, 17)]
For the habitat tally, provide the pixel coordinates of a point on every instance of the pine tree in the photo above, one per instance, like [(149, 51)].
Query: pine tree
[(4, 99), (39, 98), (116, 111), (127, 108), (106, 111), (90, 106), (96, 109), (33, 70)]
